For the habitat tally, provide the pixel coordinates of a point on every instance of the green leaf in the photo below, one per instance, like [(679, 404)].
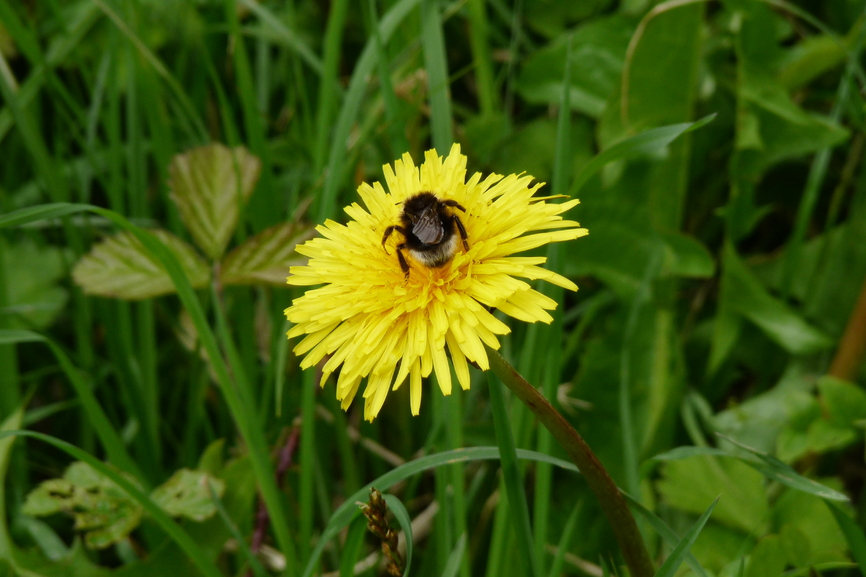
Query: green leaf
[(690, 483), (598, 52), (267, 257), (845, 402), (121, 267), (646, 143), (665, 532), (452, 567), (685, 256), (210, 185), (346, 512), (33, 297), (748, 297), (853, 534), (402, 515), (101, 509), (190, 548), (186, 494), (767, 558), (673, 562), (775, 469)]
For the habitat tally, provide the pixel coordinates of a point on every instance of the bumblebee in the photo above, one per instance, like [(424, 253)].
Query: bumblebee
[(428, 229)]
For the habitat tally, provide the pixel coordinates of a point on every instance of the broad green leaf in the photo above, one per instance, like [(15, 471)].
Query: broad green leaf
[(775, 469), (768, 465), (186, 494), (685, 256), (550, 17), (121, 267), (598, 51), (266, 257), (659, 79), (33, 297), (767, 558), (210, 185), (692, 483), (808, 59), (190, 548), (844, 401), (812, 517), (101, 509), (771, 127), (748, 297), (673, 562)]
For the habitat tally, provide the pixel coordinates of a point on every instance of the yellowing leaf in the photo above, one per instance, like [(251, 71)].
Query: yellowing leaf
[(210, 184), (121, 267), (266, 258)]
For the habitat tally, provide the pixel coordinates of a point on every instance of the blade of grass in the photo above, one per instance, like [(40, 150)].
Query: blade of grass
[(853, 535), (641, 144), (565, 541), (184, 103), (393, 115), (665, 532), (346, 512), (96, 417), (326, 204), (353, 545), (244, 419), (455, 560), (513, 480), (327, 96), (552, 348), (673, 562), (308, 457), (402, 515), (437, 76), (815, 179), (177, 534), (488, 97)]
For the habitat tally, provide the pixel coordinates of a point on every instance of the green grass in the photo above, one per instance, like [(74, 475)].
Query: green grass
[(717, 153)]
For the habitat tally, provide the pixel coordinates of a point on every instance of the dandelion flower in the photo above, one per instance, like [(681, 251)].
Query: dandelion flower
[(370, 320)]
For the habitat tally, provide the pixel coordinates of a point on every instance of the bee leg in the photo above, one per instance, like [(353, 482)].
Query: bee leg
[(462, 230), (453, 204), (404, 266), (387, 234)]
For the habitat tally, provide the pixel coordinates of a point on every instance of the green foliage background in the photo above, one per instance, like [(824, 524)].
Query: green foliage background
[(722, 268)]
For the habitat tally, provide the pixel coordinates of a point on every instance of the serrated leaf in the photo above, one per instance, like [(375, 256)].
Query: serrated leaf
[(210, 184), (267, 257), (186, 494), (120, 267), (100, 508)]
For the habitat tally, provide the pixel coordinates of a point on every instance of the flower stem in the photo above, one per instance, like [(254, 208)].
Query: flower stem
[(612, 502)]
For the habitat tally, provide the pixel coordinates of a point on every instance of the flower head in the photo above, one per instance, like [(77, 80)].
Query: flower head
[(374, 320)]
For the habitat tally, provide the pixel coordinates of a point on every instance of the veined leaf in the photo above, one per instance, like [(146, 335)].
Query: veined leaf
[(100, 508), (210, 184), (267, 257), (121, 267), (186, 494)]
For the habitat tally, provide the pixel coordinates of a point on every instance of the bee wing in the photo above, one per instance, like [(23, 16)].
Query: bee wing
[(428, 228)]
